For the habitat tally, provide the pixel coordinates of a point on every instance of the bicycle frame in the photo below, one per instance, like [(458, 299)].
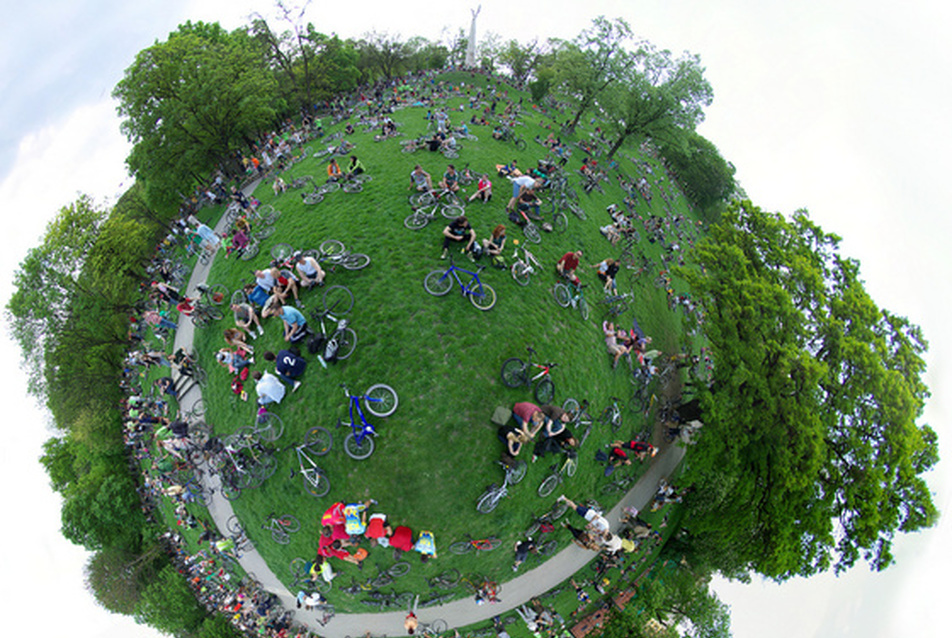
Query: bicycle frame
[(465, 289), (309, 469)]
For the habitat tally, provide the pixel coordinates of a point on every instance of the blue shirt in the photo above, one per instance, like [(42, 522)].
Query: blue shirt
[(293, 316)]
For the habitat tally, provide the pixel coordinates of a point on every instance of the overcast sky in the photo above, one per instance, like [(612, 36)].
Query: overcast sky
[(838, 106)]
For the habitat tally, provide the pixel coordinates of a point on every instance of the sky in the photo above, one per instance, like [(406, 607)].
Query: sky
[(837, 106)]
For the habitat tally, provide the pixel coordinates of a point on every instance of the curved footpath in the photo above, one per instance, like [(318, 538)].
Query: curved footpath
[(457, 614)]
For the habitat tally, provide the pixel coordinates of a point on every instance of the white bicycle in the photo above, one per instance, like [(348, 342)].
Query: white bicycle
[(523, 267)]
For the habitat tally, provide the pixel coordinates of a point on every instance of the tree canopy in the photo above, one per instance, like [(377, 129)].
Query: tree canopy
[(811, 455)]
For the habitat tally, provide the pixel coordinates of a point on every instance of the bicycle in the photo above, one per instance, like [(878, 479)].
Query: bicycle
[(281, 527), (515, 374), (440, 198), (522, 269), (390, 574), (439, 282), (302, 579), (381, 401), (432, 629), (558, 509), (268, 426), (475, 545), (553, 480), (422, 216), (203, 314), (317, 442), (213, 294), (612, 415), (447, 580), (530, 230), (571, 295), (618, 483), (333, 252), (616, 304), (514, 472), (581, 420), (507, 135), (341, 342)]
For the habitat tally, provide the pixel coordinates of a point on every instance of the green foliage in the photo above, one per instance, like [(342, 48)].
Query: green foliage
[(117, 577), (811, 456), (190, 101), (169, 605), (521, 59), (218, 626), (60, 462), (103, 511), (706, 178)]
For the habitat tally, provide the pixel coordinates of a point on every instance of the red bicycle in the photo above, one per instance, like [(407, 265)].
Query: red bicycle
[(515, 374)]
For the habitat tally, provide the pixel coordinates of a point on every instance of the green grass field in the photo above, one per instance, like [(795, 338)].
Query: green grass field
[(437, 453)]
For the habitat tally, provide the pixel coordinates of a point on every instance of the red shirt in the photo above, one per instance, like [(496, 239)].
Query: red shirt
[(402, 538), (569, 261), (334, 515), (375, 527)]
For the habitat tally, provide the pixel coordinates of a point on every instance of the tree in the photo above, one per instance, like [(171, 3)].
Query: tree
[(521, 60), (810, 456), (706, 178), (657, 98), (588, 65), (102, 510), (190, 101), (48, 281), (169, 605), (117, 577), (383, 55)]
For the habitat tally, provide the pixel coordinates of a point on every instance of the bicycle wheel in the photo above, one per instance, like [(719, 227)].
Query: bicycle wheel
[(271, 218), (338, 300), (198, 408), (438, 283), (382, 580), (289, 523), (358, 451), (354, 187), (547, 548), (230, 491), (233, 525), (399, 569), (280, 536), (318, 440), (298, 568), (264, 468), (439, 625), (263, 233), (217, 293), (488, 501), (571, 465), (545, 391), (518, 471), (330, 247), (488, 544), (570, 405), (381, 400), (417, 200), (316, 483), (562, 294), (461, 547), (269, 427), (416, 221), (532, 233), (329, 187), (282, 251), (577, 210), (560, 222), (548, 485), (583, 308), (452, 211), (483, 297), (520, 143), (355, 261), (250, 251), (520, 272), (313, 198), (346, 342), (514, 372)]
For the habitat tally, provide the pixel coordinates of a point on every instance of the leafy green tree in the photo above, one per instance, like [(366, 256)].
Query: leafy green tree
[(47, 282), (706, 178), (103, 510), (520, 59), (588, 65), (190, 101), (117, 577), (658, 98), (169, 605), (811, 455), (59, 459), (382, 55), (218, 626)]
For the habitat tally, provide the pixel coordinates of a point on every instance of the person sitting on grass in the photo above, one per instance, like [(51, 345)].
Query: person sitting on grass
[(295, 325), (495, 245), (514, 438), (355, 167), (522, 549), (616, 342), (567, 265), (333, 171), (426, 546), (401, 540), (234, 361), (607, 271), (450, 179), (639, 449), (235, 338), (279, 186), (529, 203), (309, 270), (597, 523), (459, 230), (420, 179), (484, 189), (288, 365), (247, 319), (269, 388)]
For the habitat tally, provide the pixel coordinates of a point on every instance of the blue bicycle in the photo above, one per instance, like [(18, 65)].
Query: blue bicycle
[(440, 282), (380, 400)]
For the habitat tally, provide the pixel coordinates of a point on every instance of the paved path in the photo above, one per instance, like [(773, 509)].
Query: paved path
[(459, 613)]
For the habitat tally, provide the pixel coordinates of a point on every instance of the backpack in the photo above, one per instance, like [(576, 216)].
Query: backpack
[(315, 343)]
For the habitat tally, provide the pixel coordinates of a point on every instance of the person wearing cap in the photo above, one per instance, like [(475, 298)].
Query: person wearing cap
[(309, 270)]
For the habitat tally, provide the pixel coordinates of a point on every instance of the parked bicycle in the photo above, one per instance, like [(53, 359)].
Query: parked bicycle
[(341, 341), (559, 471), (475, 545), (514, 472), (581, 423), (612, 415), (547, 519), (317, 442), (281, 527), (569, 294), (439, 282), (515, 374), (523, 267), (381, 401)]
